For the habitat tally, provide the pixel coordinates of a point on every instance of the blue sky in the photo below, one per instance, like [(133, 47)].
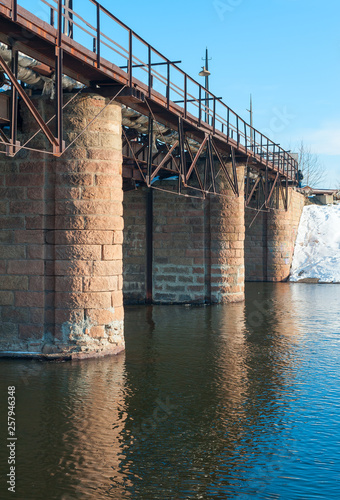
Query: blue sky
[(285, 52)]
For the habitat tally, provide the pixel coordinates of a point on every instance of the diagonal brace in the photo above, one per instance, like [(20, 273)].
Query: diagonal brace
[(272, 190), (225, 170), (36, 115), (166, 157), (198, 154)]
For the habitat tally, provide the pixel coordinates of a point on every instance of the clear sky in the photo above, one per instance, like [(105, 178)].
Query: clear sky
[(285, 52)]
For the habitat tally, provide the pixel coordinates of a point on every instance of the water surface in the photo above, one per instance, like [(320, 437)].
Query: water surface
[(237, 401)]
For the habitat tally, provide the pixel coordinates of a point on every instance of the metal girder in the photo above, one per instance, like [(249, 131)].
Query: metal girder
[(150, 143), (198, 154), (253, 190), (18, 90), (182, 158), (233, 185), (264, 187), (271, 191), (233, 161), (165, 159)]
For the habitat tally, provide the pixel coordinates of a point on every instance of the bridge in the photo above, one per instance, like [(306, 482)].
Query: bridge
[(122, 123)]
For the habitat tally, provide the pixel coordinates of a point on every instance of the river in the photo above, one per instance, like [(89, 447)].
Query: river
[(238, 401)]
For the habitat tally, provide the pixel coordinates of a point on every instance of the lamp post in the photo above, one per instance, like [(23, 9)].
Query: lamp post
[(206, 73)]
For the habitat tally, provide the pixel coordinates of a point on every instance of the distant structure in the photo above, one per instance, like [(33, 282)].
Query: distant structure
[(321, 196)]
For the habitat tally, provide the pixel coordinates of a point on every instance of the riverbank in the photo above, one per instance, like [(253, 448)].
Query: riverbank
[(317, 249)]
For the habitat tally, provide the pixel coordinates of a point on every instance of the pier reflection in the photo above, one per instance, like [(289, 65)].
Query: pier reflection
[(227, 374), (194, 409)]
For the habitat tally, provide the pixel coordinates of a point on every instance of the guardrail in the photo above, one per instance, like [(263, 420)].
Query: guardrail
[(157, 73)]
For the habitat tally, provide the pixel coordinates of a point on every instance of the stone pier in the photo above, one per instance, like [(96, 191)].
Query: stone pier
[(73, 246), (61, 239), (198, 246), (270, 240)]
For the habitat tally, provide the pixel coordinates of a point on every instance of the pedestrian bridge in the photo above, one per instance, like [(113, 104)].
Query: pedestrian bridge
[(123, 180)]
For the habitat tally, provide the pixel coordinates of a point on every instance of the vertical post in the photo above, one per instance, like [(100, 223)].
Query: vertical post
[(150, 138), (14, 105), (200, 106), (214, 115), (233, 161), (59, 82), (228, 124), (181, 150), (52, 17), (266, 188), (70, 15), (59, 97), (211, 163), (267, 152), (237, 131), (149, 71), (14, 10), (98, 36), (168, 85), (130, 58), (149, 246), (60, 22), (185, 95), (245, 136)]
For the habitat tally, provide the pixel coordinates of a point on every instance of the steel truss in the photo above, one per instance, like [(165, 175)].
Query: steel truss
[(196, 169), (264, 192)]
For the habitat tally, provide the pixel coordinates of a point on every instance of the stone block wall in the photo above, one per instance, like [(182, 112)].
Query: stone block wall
[(134, 246), (270, 240), (197, 246), (180, 260), (61, 237)]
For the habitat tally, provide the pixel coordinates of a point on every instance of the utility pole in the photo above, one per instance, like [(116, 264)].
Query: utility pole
[(206, 73)]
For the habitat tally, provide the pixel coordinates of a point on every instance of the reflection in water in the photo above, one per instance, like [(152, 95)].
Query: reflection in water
[(237, 401)]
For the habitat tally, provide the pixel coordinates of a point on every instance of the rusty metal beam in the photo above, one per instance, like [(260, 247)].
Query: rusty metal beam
[(272, 190), (233, 161), (11, 150), (210, 159), (195, 166), (253, 190), (198, 154), (225, 169), (33, 110), (165, 159)]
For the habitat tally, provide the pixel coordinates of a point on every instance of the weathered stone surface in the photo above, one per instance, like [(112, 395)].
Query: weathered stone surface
[(61, 253), (193, 240), (270, 240)]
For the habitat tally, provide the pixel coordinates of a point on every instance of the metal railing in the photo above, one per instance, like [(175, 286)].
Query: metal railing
[(145, 65)]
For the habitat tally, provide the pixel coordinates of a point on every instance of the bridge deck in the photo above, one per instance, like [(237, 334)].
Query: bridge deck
[(201, 111)]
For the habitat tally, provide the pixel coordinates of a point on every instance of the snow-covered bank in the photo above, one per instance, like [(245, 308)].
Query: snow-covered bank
[(317, 249)]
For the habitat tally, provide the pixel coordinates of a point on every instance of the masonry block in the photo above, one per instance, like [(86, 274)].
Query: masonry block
[(61, 238)]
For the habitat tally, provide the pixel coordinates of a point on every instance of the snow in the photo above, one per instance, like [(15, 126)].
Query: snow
[(317, 248)]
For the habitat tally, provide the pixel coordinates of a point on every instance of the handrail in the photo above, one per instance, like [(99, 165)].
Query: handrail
[(207, 107)]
